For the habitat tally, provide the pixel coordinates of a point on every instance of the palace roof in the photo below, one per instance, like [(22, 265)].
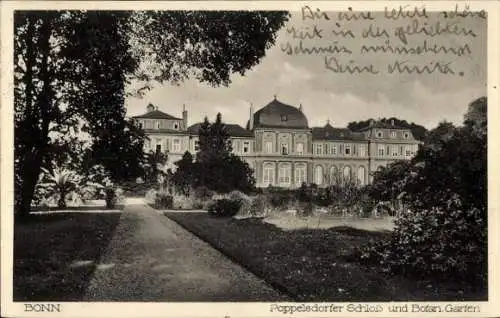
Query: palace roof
[(156, 114), (279, 115), (233, 130), (331, 133)]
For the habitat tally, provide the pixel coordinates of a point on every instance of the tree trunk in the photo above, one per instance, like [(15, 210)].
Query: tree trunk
[(32, 161)]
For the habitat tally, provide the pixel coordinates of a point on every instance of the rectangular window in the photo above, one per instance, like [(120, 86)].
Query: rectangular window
[(381, 150), (268, 175), (318, 149), (300, 148), (246, 146), (177, 145), (327, 149), (196, 145), (236, 146), (394, 151), (269, 147), (362, 151), (284, 174), (334, 149), (300, 174), (348, 150), (393, 134), (157, 125), (284, 148)]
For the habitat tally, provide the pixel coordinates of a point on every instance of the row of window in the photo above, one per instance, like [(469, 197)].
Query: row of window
[(342, 149), (241, 147), (395, 151), (393, 134), (300, 174), (156, 124), (160, 146)]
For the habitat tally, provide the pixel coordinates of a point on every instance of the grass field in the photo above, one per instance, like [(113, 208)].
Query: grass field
[(56, 253), (313, 264)]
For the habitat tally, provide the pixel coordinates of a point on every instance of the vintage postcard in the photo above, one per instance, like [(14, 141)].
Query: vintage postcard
[(249, 159)]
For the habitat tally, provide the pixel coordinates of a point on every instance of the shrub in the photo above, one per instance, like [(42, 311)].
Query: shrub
[(281, 199), (224, 208), (203, 193), (306, 209), (111, 198), (238, 195), (184, 202), (151, 195), (164, 201), (446, 242)]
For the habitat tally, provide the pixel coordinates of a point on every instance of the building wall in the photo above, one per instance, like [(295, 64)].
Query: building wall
[(320, 161)]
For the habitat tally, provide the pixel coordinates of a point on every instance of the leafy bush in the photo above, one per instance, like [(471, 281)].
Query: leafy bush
[(164, 201), (444, 242), (238, 195), (442, 232), (306, 209), (184, 202), (110, 197), (224, 208), (280, 199), (203, 193), (151, 195)]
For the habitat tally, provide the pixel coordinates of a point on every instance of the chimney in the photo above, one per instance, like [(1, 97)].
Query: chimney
[(184, 116), (250, 126), (150, 107), (300, 107)]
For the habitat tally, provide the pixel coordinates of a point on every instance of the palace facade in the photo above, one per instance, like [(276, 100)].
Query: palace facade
[(283, 150)]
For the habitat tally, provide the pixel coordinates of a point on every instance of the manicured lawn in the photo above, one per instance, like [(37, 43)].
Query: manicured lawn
[(56, 253), (314, 264)]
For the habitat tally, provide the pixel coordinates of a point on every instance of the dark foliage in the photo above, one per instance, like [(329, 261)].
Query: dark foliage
[(215, 168), (110, 198), (224, 208), (444, 232), (71, 68), (164, 201), (184, 177)]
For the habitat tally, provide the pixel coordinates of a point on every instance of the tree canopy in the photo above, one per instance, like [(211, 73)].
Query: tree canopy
[(72, 67), (216, 167)]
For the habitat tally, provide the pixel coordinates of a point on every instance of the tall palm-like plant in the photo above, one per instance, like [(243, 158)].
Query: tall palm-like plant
[(60, 181)]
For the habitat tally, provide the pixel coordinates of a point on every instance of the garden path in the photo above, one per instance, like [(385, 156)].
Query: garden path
[(152, 258)]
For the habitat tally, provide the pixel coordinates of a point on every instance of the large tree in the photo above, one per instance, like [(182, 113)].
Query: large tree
[(217, 168), (72, 67)]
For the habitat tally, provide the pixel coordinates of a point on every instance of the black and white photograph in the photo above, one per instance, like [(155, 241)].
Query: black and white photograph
[(332, 158)]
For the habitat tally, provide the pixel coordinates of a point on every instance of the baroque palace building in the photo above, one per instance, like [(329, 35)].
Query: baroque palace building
[(283, 150)]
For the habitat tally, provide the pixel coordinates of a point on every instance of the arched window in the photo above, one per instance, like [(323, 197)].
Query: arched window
[(318, 175), (347, 173), (334, 175), (361, 175), (268, 174)]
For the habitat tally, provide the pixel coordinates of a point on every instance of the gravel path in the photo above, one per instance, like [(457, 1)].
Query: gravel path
[(151, 258)]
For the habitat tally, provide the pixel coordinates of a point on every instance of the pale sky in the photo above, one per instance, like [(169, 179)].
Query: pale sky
[(341, 98)]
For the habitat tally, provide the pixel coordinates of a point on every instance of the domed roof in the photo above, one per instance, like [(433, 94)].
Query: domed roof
[(279, 115)]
